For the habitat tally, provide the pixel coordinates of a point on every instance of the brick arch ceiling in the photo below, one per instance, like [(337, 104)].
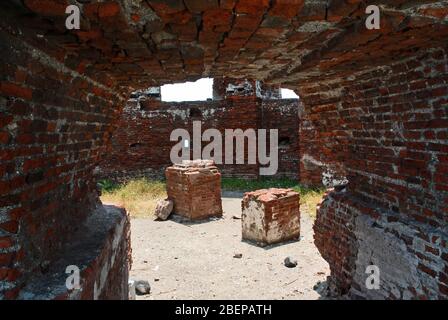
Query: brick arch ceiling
[(139, 43)]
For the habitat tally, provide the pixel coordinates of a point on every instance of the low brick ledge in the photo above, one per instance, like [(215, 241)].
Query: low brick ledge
[(101, 250)]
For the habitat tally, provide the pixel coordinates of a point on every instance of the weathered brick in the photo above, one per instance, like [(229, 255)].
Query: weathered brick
[(48, 8), (11, 89), (195, 188), (197, 6), (109, 9), (270, 216), (6, 242)]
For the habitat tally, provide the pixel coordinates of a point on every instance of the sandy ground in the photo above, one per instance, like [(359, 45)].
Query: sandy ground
[(183, 260)]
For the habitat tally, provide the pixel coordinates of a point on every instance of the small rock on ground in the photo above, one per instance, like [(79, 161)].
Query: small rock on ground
[(290, 262), (142, 287)]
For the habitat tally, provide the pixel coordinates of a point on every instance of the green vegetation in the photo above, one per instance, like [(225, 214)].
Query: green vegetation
[(238, 184), (140, 196), (108, 186)]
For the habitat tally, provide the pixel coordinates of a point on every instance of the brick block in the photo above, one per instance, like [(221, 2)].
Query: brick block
[(271, 216), (195, 188)]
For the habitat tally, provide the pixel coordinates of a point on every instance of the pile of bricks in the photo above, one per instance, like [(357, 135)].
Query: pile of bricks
[(270, 216), (195, 188)]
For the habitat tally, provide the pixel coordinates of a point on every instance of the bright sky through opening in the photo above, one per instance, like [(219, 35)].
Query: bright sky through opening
[(289, 94), (199, 90)]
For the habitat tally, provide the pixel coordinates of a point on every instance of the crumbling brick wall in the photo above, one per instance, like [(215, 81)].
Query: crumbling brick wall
[(283, 114), (386, 130), (55, 124), (141, 146)]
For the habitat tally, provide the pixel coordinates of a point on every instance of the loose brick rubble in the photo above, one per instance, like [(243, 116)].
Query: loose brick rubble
[(163, 209), (373, 120), (195, 189), (270, 216)]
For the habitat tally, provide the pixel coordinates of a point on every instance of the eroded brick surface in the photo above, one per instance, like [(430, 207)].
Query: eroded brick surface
[(101, 251), (270, 216), (386, 130)]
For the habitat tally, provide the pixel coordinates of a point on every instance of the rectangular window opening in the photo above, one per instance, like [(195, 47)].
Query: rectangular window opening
[(200, 90), (288, 94)]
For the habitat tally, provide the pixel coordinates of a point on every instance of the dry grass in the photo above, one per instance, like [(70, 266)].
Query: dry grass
[(310, 200), (139, 196)]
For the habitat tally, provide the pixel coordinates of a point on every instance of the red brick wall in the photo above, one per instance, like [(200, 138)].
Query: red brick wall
[(385, 130), (284, 115), (141, 145), (54, 125)]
